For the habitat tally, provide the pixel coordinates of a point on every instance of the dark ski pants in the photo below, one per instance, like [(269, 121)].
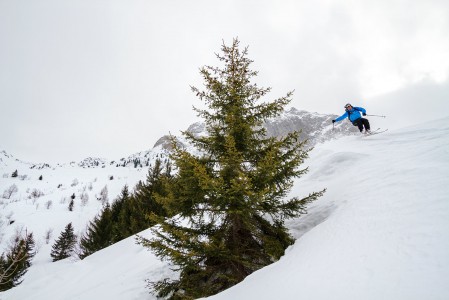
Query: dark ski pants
[(360, 122)]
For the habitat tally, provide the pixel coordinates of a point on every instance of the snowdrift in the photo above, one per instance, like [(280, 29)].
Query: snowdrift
[(380, 232)]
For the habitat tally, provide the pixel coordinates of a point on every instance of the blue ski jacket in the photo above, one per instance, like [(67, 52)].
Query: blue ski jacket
[(352, 114)]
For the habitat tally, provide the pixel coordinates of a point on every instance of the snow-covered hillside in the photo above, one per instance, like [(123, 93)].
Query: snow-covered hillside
[(380, 231), (41, 205), (37, 199)]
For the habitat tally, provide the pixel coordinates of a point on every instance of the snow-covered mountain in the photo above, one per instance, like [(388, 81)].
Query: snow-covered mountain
[(315, 128), (30, 200), (380, 231)]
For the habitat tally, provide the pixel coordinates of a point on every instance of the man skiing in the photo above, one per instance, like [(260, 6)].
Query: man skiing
[(353, 114)]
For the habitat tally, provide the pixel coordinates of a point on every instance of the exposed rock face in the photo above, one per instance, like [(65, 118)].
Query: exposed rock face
[(197, 129), (314, 127), (164, 142), (92, 162)]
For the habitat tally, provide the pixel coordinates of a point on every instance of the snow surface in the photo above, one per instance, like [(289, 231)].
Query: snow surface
[(50, 211), (381, 231)]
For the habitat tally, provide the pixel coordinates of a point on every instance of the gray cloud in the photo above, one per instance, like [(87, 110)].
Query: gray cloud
[(416, 103), (107, 78)]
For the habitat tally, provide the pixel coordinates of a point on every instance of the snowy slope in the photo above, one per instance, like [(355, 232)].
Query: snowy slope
[(380, 232), (41, 206), (383, 228)]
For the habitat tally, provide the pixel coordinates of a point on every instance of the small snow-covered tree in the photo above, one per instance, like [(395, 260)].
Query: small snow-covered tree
[(71, 204), (15, 174)]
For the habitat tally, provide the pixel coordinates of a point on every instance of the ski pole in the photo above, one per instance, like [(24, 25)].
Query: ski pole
[(377, 116)]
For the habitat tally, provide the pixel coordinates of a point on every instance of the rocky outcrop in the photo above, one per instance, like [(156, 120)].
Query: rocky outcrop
[(314, 127)]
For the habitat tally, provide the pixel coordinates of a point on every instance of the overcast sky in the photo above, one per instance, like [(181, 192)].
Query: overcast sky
[(107, 78)]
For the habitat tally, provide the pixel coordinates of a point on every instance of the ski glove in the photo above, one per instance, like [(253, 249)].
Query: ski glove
[(364, 114), (333, 121)]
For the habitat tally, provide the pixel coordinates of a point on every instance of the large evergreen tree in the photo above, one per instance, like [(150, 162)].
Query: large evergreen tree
[(64, 245), (230, 199)]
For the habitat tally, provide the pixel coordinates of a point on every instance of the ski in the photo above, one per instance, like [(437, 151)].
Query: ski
[(377, 131)]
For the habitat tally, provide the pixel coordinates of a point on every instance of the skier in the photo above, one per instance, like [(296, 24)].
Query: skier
[(353, 114)]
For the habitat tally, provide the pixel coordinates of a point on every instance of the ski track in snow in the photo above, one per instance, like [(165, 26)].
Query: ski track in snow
[(379, 232)]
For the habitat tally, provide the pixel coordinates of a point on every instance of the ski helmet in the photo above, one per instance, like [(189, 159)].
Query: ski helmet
[(347, 105)]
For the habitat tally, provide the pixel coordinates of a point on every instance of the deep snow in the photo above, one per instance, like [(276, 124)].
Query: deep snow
[(381, 231)]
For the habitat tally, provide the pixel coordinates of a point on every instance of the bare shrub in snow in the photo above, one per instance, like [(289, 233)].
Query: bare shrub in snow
[(104, 195), (48, 235), (48, 204), (5, 175), (1, 227), (10, 191), (63, 200), (84, 198), (36, 194), (23, 177), (9, 218), (75, 182), (90, 187)]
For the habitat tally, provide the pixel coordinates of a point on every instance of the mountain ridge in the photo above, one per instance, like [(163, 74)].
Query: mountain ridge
[(316, 128)]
